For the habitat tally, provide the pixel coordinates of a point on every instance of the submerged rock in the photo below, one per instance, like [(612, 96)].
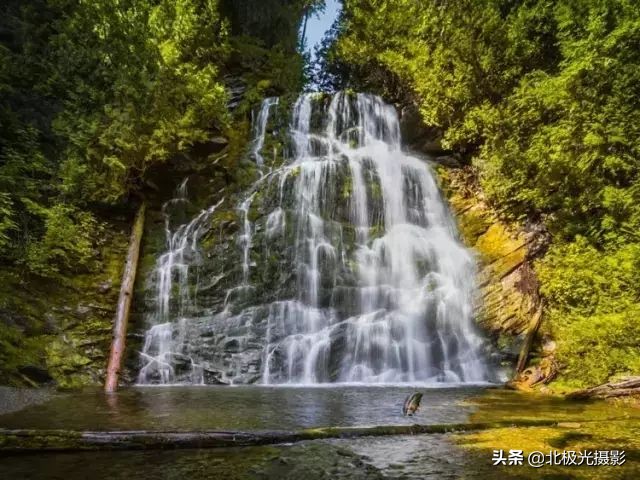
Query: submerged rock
[(15, 399)]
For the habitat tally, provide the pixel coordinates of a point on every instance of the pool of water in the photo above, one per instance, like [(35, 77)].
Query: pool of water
[(240, 408), (263, 408)]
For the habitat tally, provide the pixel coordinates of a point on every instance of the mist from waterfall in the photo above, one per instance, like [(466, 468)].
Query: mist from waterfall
[(383, 288)]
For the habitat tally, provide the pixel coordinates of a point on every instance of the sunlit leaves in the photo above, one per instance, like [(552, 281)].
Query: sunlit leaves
[(93, 94), (158, 95)]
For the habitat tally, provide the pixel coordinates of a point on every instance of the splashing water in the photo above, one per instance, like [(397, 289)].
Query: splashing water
[(383, 290)]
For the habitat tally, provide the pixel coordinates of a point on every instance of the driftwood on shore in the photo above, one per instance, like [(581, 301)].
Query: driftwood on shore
[(623, 388), (38, 441)]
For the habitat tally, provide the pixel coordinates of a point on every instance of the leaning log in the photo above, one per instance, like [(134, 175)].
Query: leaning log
[(623, 388), (528, 341), (124, 302), (34, 441)]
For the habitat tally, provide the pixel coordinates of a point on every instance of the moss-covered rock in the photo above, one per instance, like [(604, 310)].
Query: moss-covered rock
[(58, 330)]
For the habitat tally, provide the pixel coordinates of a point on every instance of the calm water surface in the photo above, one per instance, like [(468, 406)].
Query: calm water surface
[(240, 408), (263, 408)]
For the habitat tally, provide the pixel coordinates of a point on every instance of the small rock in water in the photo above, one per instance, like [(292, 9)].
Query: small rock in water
[(411, 404)]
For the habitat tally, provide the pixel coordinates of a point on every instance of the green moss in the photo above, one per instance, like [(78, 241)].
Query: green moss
[(347, 187), (499, 244), (64, 328), (472, 224), (581, 426), (377, 230), (295, 171)]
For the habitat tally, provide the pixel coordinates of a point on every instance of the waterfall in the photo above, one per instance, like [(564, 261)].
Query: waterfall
[(164, 341), (259, 128), (374, 286)]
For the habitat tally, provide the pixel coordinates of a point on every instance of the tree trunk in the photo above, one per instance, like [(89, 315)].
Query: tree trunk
[(124, 302), (528, 341), (304, 29), (623, 388), (25, 441)]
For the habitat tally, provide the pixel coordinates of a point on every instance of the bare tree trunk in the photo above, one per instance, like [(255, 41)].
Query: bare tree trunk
[(623, 388), (124, 302), (304, 29), (528, 341)]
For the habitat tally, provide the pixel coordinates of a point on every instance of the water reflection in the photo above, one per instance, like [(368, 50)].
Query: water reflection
[(240, 408)]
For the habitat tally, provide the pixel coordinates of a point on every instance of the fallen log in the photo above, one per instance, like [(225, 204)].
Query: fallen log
[(124, 302), (623, 388), (39, 441)]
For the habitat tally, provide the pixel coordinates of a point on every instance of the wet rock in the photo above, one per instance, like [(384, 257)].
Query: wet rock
[(211, 146), (51, 324), (450, 161), (82, 311), (236, 88), (182, 364), (417, 135), (15, 399), (105, 287), (213, 377), (232, 346)]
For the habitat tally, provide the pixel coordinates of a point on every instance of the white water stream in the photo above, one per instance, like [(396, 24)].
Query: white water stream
[(392, 303)]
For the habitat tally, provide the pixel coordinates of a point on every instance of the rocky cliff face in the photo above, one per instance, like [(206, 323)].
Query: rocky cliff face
[(213, 271), (509, 299)]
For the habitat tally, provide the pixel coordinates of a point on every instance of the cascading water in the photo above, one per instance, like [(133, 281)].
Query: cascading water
[(259, 128), (381, 289), (164, 341)]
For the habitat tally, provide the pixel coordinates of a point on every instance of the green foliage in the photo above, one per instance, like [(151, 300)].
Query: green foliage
[(148, 89), (543, 96), (578, 278), (92, 95), (68, 243), (593, 308), (267, 71), (266, 52), (7, 223), (596, 348)]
